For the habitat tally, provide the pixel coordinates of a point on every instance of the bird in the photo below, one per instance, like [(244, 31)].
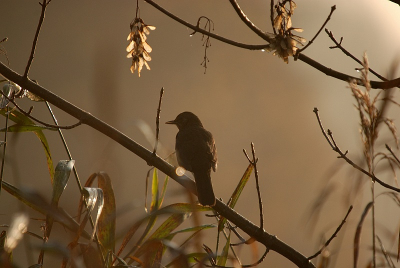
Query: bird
[(196, 152)]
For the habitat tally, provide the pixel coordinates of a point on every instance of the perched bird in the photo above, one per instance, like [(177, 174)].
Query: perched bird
[(196, 152)]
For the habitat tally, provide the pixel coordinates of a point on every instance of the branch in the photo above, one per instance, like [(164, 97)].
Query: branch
[(329, 137), (270, 241), (301, 57), (158, 120), (333, 235), (28, 114), (200, 30), (316, 35), (253, 162), (248, 22), (41, 19), (347, 53)]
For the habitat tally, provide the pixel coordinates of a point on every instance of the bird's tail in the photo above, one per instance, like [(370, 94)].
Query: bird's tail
[(205, 190)]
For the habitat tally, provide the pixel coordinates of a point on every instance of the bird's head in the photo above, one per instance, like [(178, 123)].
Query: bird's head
[(186, 119)]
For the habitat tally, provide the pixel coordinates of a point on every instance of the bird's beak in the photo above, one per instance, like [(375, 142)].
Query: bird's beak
[(172, 122)]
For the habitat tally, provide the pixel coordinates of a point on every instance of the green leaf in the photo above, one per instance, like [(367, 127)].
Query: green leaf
[(61, 176), (154, 192), (164, 230), (163, 191), (24, 122), (224, 255), (236, 194), (26, 128)]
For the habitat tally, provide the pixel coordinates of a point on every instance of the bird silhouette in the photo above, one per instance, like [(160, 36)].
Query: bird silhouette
[(196, 152)]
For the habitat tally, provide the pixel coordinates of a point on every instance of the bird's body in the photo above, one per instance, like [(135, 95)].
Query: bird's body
[(196, 152)]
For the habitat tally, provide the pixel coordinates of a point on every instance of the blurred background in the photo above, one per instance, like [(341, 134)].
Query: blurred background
[(245, 96)]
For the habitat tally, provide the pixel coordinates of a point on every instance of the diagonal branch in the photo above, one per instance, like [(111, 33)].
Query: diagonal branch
[(270, 241), (333, 8), (329, 137)]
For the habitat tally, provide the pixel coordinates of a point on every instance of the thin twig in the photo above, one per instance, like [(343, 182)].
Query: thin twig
[(28, 114), (332, 143), (301, 57), (347, 53), (158, 120), (254, 163), (390, 150), (262, 236), (333, 235), (272, 15), (320, 29), (248, 22), (4, 149), (44, 4)]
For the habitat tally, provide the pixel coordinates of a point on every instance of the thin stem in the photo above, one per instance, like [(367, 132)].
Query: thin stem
[(248, 22), (320, 29), (158, 120), (347, 53), (272, 15), (44, 4), (4, 149), (270, 241), (28, 114), (333, 235), (344, 156), (301, 57)]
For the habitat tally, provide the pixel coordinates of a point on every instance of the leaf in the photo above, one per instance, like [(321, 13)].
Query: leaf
[(38, 203), (357, 236), (154, 192), (61, 176), (191, 258), (163, 231), (178, 208), (152, 258), (94, 196), (236, 194), (22, 120), (91, 256), (106, 225), (224, 255), (26, 128), (163, 191)]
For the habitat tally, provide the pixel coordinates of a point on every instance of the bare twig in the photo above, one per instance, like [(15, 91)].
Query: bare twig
[(333, 235), (44, 4), (390, 150), (301, 57), (158, 120), (270, 241), (248, 22), (357, 236), (329, 137), (312, 40), (28, 114), (254, 163), (272, 15), (389, 260), (347, 53), (4, 149)]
